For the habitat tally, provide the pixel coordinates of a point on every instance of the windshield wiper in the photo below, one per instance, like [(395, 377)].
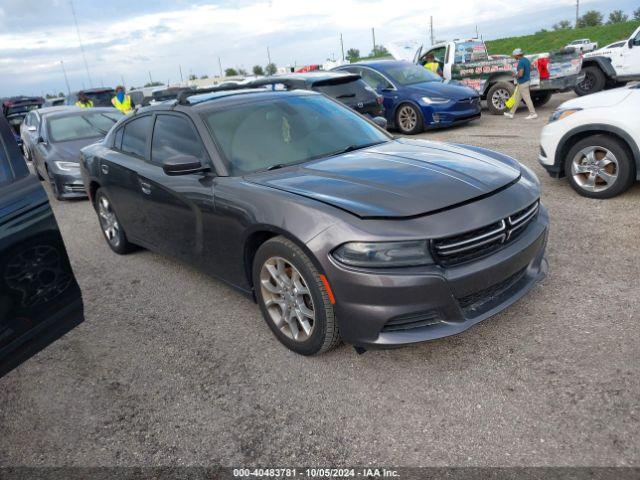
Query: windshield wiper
[(279, 165), (347, 95)]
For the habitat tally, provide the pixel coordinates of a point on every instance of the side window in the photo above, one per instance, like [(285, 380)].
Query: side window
[(117, 142), (373, 79), (134, 137), (636, 41), (174, 136), (5, 169)]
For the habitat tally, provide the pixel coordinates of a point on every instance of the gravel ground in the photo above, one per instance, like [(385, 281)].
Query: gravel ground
[(172, 367)]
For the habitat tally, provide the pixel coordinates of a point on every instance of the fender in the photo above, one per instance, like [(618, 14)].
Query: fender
[(604, 63), (493, 79), (596, 128)]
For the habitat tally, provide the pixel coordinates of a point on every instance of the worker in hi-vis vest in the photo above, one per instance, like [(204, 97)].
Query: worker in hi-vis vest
[(84, 101), (432, 64), (122, 101)]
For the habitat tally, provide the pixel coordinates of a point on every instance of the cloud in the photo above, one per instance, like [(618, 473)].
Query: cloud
[(164, 34)]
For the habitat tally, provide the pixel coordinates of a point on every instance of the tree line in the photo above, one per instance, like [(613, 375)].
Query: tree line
[(593, 18)]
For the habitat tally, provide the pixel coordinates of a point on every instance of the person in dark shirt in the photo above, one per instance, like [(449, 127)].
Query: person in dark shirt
[(523, 80)]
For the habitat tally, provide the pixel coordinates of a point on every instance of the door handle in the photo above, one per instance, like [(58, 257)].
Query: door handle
[(146, 188), (104, 168)]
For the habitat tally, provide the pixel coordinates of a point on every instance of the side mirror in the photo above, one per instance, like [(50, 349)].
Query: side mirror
[(630, 43), (41, 140), (31, 128), (380, 121), (183, 165)]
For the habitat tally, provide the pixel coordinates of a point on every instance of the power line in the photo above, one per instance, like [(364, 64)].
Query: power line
[(84, 56)]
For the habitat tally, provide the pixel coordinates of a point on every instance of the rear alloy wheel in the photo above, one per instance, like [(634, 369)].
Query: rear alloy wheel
[(293, 298), (540, 99), (408, 119), (110, 225), (599, 167), (497, 97)]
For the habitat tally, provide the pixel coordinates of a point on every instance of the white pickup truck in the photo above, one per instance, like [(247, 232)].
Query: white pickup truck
[(467, 62), (611, 67), (583, 45)]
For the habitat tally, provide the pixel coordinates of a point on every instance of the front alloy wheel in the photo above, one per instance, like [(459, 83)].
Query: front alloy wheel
[(408, 120), (595, 169), (294, 300), (287, 299)]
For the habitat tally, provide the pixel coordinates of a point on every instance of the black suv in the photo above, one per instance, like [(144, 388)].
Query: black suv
[(39, 297), (16, 108)]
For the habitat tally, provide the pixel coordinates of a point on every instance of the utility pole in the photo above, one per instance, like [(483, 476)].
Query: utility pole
[(150, 79), (220, 65), (84, 57), (122, 80), (268, 56), (66, 80), (431, 29), (342, 46), (373, 36), (577, 12), (477, 34), (181, 79)]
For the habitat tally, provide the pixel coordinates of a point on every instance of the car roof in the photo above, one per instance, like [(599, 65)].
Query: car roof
[(56, 108), (381, 64), (311, 77)]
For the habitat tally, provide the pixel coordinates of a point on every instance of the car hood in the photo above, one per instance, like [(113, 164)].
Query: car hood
[(70, 151), (447, 90), (401, 178), (608, 98)]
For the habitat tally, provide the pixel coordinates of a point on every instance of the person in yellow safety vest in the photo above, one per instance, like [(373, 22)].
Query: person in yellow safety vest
[(122, 101), (83, 101), (432, 64)]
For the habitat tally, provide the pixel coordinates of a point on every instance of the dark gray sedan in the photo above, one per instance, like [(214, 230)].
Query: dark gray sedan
[(60, 136), (336, 229)]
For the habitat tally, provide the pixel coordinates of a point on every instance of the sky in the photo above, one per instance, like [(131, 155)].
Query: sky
[(135, 40)]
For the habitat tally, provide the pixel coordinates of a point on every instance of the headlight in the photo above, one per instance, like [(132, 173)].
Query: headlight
[(434, 100), (384, 254), (560, 114), (67, 166)]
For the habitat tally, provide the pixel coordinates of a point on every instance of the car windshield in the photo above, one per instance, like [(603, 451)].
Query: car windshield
[(410, 74), (289, 130), (87, 125)]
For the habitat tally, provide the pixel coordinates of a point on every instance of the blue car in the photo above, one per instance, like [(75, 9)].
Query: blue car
[(416, 98)]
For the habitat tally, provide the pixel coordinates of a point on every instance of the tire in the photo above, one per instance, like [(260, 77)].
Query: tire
[(110, 226), (540, 99), (594, 81), (277, 264), (409, 119), (497, 96), (619, 167)]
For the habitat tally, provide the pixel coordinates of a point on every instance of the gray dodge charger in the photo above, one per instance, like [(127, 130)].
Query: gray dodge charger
[(335, 228)]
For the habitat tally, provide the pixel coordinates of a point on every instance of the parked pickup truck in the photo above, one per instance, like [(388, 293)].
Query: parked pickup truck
[(468, 62), (611, 67), (583, 45)]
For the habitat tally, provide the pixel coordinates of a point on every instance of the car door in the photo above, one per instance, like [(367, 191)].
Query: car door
[(119, 169), (631, 56), (177, 206), (40, 150), (383, 87), (40, 299)]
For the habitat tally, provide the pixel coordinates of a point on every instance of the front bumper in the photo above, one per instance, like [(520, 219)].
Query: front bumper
[(447, 116), (550, 138), (69, 185), (435, 301)]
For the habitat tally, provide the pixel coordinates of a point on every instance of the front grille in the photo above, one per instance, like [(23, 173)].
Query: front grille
[(483, 241), (73, 188), (411, 321), (473, 304)]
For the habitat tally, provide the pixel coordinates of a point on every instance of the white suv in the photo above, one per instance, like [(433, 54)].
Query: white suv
[(595, 141)]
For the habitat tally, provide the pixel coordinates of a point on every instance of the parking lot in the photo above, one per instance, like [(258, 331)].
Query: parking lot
[(172, 367)]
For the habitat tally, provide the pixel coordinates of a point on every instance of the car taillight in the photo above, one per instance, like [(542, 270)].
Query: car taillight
[(379, 100)]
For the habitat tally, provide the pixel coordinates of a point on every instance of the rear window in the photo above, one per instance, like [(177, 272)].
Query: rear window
[(354, 90), (77, 127), (22, 109), (101, 99)]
